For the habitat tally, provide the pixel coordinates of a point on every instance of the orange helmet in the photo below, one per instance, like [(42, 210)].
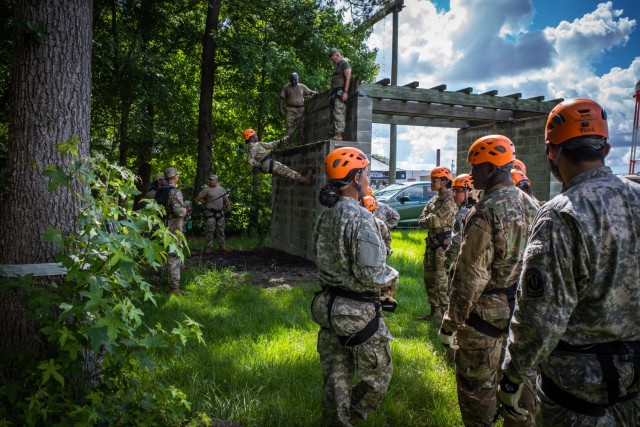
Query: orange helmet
[(463, 181), (519, 176), (370, 203), (519, 165), (248, 133), (495, 149), (441, 172), (576, 117), (369, 191), (341, 161)]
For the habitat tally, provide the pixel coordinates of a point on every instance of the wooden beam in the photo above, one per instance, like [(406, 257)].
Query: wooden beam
[(385, 10), (466, 90), (490, 93), (412, 84), (514, 95), (420, 109), (419, 121), (455, 98), (537, 98), (556, 101), (384, 82), (439, 88)]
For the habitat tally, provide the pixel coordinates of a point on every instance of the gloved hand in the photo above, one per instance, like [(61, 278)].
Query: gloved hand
[(509, 395), (447, 265), (448, 339)]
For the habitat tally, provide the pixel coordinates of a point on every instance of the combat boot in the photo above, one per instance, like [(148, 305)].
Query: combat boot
[(436, 313), (308, 178), (336, 137)]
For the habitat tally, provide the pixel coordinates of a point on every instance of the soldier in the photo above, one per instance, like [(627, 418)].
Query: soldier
[(522, 182), (385, 213), (214, 197), (485, 279), (462, 188), (261, 160), (353, 337), (517, 164), (176, 212), (437, 217), (340, 81), (578, 306), (292, 95), (158, 182)]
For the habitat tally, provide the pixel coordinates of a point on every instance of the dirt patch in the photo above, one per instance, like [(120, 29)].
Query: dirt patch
[(264, 266)]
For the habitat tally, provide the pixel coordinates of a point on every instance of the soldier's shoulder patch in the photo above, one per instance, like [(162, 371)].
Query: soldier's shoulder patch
[(533, 283)]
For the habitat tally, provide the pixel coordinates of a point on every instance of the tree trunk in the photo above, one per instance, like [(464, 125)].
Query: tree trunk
[(49, 103), (205, 109)]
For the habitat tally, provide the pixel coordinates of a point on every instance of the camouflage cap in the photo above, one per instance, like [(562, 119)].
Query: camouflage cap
[(213, 177), (158, 177), (333, 52), (171, 172)]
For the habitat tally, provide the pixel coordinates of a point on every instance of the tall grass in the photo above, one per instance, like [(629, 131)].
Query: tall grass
[(260, 366)]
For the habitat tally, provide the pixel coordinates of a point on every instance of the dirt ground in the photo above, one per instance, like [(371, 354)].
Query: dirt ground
[(264, 266)]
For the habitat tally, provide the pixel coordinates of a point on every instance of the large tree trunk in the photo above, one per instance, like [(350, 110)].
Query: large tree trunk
[(50, 103), (205, 109)]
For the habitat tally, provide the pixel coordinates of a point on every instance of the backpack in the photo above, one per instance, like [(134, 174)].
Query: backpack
[(162, 195)]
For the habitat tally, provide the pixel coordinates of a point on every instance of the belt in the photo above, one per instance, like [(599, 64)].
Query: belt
[(295, 106)]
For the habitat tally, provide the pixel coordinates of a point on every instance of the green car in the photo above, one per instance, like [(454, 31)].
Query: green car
[(408, 198)]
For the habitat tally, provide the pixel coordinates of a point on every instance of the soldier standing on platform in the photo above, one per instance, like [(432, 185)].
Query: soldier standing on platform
[(340, 81), (292, 95)]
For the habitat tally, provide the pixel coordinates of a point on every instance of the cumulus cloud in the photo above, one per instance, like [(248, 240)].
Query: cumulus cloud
[(489, 45)]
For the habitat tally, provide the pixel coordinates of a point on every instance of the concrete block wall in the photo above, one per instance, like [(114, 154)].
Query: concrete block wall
[(296, 206), (528, 138)]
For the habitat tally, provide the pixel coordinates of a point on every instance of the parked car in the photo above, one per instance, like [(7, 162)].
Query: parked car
[(408, 198)]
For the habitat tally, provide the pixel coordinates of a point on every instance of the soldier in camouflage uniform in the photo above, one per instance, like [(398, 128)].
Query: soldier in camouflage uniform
[(176, 213), (215, 198), (385, 213), (350, 255), (437, 218), (485, 279), (158, 183), (340, 81), (462, 187), (522, 182), (292, 94), (261, 160), (578, 306)]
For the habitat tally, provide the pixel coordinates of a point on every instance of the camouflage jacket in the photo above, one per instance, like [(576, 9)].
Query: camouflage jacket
[(176, 211), (258, 151), (387, 214), (580, 283), (385, 234), (456, 238), (438, 213), (350, 254), (493, 240)]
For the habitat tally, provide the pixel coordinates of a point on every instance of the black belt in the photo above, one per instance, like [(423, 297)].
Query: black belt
[(293, 106), (365, 333), (481, 325)]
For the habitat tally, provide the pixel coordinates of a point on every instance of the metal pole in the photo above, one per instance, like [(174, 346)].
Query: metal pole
[(393, 129)]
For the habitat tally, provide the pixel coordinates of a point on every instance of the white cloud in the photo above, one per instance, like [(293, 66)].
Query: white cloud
[(488, 45)]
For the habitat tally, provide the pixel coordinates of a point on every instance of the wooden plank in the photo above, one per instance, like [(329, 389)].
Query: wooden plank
[(455, 98), (384, 81), (466, 90), (419, 121), (490, 93), (514, 95), (440, 88), (412, 84), (420, 109), (537, 98)]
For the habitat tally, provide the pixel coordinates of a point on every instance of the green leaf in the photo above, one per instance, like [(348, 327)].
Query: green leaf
[(54, 235), (50, 369), (71, 145), (58, 177)]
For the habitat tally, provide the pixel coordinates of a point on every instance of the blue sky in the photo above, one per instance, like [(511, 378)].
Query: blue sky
[(555, 48)]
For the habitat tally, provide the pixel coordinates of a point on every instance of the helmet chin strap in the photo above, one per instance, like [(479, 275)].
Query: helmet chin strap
[(553, 166)]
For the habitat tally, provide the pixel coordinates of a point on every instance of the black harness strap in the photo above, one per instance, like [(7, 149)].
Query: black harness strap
[(481, 325), (365, 333)]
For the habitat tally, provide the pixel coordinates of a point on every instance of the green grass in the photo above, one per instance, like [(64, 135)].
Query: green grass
[(260, 366)]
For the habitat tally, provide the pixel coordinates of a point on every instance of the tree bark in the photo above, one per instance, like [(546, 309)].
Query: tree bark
[(205, 109), (49, 103)]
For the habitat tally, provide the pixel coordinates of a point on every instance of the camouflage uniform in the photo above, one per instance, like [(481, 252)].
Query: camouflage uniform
[(437, 218), (339, 107), (453, 249), (258, 152), (351, 258), (215, 198), (176, 212), (387, 214), (580, 286), (489, 262), (293, 96)]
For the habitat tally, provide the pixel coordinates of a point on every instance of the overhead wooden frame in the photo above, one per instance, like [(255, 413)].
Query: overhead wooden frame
[(407, 105)]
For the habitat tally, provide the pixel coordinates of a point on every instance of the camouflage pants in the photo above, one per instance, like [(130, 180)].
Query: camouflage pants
[(621, 414), (281, 170), (436, 278), (215, 230), (338, 116), (477, 364), (371, 361), (174, 265), (291, 119)]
